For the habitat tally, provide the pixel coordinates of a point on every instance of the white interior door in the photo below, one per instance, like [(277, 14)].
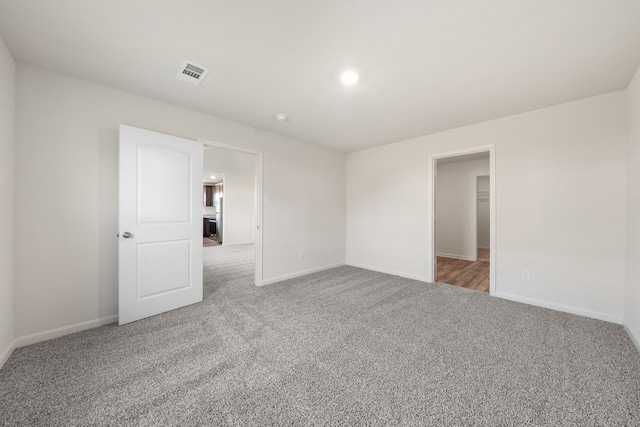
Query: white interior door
[(160, 229)]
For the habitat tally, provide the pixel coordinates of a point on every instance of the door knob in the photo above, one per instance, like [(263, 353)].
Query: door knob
[(127, 235)]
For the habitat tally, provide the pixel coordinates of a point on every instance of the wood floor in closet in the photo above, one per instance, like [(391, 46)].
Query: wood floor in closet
[(465, 274)]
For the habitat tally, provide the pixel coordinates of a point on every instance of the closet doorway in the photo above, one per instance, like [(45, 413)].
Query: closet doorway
[(463, 219)]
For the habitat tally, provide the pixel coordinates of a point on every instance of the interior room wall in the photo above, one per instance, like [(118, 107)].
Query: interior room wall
[(456, 196), (632, 296), (7, 113), (239, 192), (483, 210), (67, 198), (560, 200)]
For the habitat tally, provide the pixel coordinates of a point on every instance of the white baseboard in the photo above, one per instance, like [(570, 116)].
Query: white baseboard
[(53, 333), (455, 256), (237, 243), (391, 272), (560, 307), (6, 354), (300, 273), (65, 330), (635, 340)]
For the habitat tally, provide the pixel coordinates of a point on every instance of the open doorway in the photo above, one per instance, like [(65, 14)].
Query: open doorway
[(232, 210), (213, 208), (463, 219)]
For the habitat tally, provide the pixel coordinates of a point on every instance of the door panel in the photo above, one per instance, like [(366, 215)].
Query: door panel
[(164, 179), (160, 214), (154, 279)]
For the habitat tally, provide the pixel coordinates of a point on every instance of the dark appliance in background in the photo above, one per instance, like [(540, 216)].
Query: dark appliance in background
[(209, 227), (212, 227), (218, 226)]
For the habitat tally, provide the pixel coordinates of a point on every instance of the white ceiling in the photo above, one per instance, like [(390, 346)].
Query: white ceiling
[(426, 65), (206, 177)]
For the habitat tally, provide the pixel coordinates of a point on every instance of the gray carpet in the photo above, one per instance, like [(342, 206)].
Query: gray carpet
[(340, 347)]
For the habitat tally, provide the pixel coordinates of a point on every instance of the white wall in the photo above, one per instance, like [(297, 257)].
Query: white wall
[(7, 112), (483, 213), (239, 192), (632, 295), (456, 197), (66, 195), (560, 196)]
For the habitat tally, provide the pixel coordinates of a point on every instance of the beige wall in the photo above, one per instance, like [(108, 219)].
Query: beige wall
[(7, 111), (67, 199), (560, 199), (632, 295)]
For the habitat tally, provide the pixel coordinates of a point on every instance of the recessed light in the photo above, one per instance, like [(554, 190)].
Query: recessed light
[(349, 77), (281, 117), (213, 177)]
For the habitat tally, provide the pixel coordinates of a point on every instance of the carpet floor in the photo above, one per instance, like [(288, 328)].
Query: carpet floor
[(344, 346)]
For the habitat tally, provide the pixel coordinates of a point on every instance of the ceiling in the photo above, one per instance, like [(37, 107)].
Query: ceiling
[(426, 65), (207, 177)]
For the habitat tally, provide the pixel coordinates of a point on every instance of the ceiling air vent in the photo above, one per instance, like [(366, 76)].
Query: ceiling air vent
[(192, 73)]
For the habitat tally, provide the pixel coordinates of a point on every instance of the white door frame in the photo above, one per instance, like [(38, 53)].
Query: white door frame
[(258, 200), (492, 207)]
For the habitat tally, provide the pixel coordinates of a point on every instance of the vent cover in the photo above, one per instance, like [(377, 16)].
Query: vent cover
[(192, 73)]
